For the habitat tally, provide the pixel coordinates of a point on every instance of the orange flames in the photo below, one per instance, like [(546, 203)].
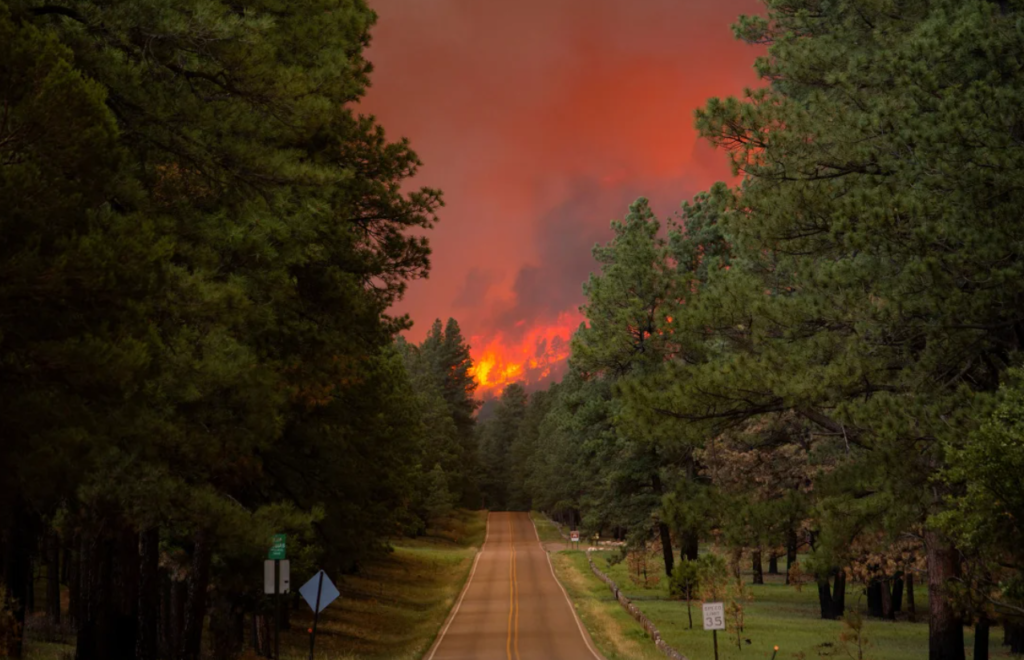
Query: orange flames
[(499, 362)]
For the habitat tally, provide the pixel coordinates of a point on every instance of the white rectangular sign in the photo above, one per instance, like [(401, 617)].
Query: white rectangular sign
[(268, 576), (574, 536), (714, 616)]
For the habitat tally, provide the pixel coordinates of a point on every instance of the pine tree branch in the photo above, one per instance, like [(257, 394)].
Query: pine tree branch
[(57, 10)]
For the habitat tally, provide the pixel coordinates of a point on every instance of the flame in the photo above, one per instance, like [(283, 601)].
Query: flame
[(500, 361)]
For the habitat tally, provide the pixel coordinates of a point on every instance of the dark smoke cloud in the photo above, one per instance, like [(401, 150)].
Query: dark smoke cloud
[(565, 238), (541, 120)]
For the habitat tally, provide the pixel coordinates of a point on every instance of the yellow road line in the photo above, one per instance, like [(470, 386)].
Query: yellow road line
[(515, 581), (513, 595), (511, 590)]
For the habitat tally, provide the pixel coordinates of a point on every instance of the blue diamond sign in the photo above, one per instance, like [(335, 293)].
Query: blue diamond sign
[(328, 592)]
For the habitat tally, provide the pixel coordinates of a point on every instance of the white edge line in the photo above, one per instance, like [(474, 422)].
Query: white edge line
[(579, 624), (465, 588)]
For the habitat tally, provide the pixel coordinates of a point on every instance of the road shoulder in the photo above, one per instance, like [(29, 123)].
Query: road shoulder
[(608, 628)]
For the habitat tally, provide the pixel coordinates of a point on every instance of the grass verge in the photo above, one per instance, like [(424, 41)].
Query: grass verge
[(392, 610), (395, 607), (546, 529), (615, 633)]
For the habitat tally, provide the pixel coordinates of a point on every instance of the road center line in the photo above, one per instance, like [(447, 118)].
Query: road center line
[(465, 588), (511, 589), (515, 582)]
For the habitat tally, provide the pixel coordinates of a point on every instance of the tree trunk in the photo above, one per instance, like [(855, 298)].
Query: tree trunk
[(1013, 636), (261, 631), (195, 610), (887, 611), (825, 598), (875, 598), (125, 595), (30, 592), (179, 598), (897, 594), (689, 546), (773, 563), (53, 579), (790, 551), (18, 570), (839, 595), (149, 594), (666, 548), (94, 622), (755, 560), (945, 627), (666, 535), (911, 606), (226, 628), (165, 633), (73, 555), (981, 629)]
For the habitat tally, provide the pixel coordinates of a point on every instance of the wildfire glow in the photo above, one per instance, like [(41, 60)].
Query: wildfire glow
[(499, 361)]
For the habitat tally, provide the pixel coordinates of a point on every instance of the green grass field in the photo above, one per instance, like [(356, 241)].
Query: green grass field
[(777, 615), (784, 616)]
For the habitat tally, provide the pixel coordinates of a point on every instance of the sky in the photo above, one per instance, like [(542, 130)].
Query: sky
[(542, 120)]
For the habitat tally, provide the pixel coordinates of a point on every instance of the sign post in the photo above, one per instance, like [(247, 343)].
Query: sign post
[(277, 554), (714, 620), (574, 537), (319, 592)]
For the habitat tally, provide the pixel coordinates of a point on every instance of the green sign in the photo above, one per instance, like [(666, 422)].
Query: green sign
[(277, 547)]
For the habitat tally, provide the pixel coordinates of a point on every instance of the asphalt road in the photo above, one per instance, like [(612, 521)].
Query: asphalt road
[(512, 607)]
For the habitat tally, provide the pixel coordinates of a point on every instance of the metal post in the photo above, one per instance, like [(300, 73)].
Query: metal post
[(277, 609), (316, 615), (714, 635)]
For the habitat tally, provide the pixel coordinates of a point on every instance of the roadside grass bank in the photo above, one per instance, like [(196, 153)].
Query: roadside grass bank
[(779, 615), (615, 633), (546, 529), (395, 607)]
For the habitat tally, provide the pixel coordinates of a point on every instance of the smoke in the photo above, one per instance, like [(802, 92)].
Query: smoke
[(542, 120)]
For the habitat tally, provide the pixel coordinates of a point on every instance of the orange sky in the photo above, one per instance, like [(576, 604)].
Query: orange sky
[(541, 120)]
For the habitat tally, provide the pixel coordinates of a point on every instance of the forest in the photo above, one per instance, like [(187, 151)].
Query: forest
[(822, 359), (816, 365), (200, 242)]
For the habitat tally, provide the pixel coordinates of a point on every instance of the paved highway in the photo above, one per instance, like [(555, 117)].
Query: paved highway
[(512, 607)]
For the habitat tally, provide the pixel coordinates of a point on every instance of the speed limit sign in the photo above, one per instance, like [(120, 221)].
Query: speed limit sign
[(714, 616)]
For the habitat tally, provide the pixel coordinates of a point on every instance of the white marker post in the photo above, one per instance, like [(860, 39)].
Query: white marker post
[(714, 620)]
